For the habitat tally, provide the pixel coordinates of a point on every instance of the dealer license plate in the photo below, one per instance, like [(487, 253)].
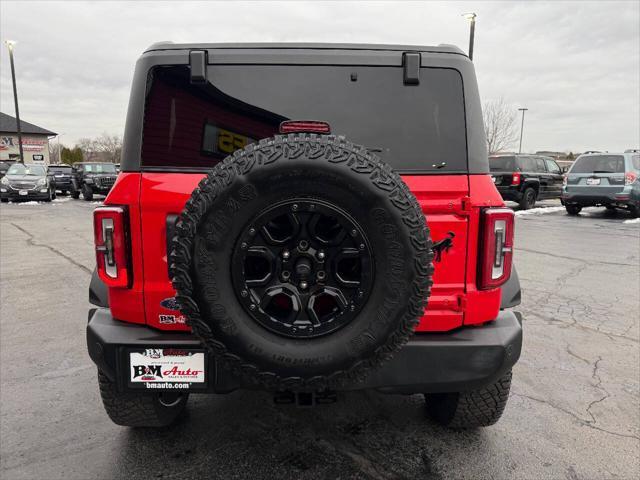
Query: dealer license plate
[(593, 181), (23, 192), (167, 368)]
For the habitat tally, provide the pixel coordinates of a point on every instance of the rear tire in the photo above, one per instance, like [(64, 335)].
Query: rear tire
[(573, 209), (528, 199), (139, 410), (634, 211), (75, 194), (472, 409), (87, 193)]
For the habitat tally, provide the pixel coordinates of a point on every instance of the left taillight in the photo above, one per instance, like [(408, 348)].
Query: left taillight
[(496, 247), (112, 247)]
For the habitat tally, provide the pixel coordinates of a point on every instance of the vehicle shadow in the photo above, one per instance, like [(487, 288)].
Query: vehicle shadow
[(244, 434)]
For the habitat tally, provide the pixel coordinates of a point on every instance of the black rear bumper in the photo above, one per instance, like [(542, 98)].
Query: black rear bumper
[(465, 359)]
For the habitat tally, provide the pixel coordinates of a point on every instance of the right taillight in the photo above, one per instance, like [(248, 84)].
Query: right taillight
[(112, 246), (515, 178), (630, 177), (496, 247)]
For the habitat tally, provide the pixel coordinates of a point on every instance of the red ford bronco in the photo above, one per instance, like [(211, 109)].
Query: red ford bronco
[(305, 219)]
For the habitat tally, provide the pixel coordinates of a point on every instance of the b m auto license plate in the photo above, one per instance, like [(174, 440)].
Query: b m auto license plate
[(593, 181), (167, 368)]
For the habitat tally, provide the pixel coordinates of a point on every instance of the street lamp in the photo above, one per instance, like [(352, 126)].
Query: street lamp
[(472, 30), (10, 44), (521, 128)]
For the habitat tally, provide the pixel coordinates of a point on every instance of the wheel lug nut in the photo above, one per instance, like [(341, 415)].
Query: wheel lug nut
[(320, 255), (243, 245), (286, 274), (362, 246), (354, 232), (286, 254), (321, 275), (252, 231), (294, 207), (303, 285), (303, 245), (252, 306), (244, 293)]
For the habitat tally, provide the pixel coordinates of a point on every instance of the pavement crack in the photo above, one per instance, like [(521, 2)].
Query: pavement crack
[(588, 262), (581, 421), (32, 242)]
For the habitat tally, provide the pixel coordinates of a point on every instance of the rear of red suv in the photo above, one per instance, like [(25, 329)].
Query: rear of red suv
[(304, 219)]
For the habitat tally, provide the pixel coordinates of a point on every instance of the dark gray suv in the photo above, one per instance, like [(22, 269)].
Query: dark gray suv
[(603, 179)]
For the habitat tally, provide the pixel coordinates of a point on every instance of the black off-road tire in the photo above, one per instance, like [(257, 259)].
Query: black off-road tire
[(634, 211), (472, 409), (87, 193), (573, 209), (528, 199), (309, 168), (75, 194), (139, 410), (4, 200)]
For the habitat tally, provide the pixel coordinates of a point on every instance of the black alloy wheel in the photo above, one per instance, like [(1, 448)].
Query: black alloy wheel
[(303, 268)]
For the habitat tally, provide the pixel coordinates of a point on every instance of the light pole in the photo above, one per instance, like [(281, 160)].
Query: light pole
[(10, 44), (59, 149), (521, 128), (472, 30)]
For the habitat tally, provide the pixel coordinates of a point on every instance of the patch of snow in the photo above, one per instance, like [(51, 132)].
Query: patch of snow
[(633, 220), (31, 202), (539, 211)]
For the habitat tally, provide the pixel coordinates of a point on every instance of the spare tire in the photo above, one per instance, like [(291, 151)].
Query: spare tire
[(302, 262)]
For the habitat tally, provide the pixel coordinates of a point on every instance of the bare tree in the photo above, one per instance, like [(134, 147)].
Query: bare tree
[(104, 148), (55, 152), (500, 125), (110, 145)]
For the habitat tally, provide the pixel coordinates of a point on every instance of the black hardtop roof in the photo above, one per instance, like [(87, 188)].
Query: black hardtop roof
[(442, 48)]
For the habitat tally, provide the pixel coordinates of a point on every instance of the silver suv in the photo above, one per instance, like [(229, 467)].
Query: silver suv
[(611, 180)]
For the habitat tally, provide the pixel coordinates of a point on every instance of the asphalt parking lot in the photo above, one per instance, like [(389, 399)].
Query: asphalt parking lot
[(574, 411)]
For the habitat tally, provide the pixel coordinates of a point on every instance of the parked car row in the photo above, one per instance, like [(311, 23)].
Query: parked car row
[(611, 180), (40, 182)]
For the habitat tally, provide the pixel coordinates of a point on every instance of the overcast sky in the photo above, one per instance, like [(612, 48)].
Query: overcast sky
[(575, 65)]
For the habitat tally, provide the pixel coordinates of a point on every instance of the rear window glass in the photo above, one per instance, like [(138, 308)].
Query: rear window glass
[(502, 164), (99, 168), (599, 164), (412, 127), (59, 169)]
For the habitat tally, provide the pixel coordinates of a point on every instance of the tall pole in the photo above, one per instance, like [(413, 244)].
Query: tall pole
[(472, 31), (10, 45), (521, 128)]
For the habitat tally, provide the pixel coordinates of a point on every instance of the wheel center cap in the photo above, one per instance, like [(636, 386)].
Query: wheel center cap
[(303, 268)]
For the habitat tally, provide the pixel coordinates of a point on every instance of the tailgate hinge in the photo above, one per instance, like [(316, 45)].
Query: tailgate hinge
[(411, 65), (198, 66), (465, 205), (462, 303)]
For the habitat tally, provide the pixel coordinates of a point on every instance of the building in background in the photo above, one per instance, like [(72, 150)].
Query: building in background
[(35, 141)]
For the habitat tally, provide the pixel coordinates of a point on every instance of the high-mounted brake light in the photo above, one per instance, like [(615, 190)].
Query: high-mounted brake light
[(515, 180), (111, 243), (496, 250), (630, 177), (305, 126)]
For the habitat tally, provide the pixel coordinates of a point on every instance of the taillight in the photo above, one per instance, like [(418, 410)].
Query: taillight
[(630, 177), (111, 243), (496, 247), (515, 179), (305, 126)]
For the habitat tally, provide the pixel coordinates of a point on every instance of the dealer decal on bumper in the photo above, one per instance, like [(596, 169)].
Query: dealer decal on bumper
[(167, 366)]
